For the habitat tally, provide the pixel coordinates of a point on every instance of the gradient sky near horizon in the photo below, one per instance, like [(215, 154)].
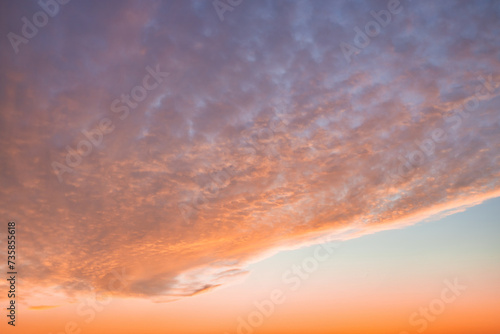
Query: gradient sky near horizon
[(259, 137)]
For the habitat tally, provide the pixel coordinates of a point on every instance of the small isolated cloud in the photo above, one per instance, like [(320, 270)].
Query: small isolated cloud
[(42, 307)]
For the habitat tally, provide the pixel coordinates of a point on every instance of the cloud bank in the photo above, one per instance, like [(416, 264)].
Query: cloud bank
[(262, 137)]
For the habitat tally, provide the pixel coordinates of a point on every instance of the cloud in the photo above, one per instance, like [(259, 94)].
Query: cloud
[(262, 129), (43, 307)]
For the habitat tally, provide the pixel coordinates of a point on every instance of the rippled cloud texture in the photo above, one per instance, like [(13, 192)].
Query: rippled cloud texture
[(262, 136)]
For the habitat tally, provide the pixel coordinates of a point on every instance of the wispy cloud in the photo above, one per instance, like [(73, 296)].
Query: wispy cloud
[(43, 307)]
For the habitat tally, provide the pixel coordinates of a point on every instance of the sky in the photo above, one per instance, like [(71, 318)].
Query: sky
[(237, 166)]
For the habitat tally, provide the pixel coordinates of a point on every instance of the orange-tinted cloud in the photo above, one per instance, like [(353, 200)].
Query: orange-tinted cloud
[(42, 307), (262, 137)]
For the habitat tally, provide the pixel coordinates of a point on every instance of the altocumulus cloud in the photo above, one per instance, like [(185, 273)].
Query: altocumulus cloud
[(334, 156)]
